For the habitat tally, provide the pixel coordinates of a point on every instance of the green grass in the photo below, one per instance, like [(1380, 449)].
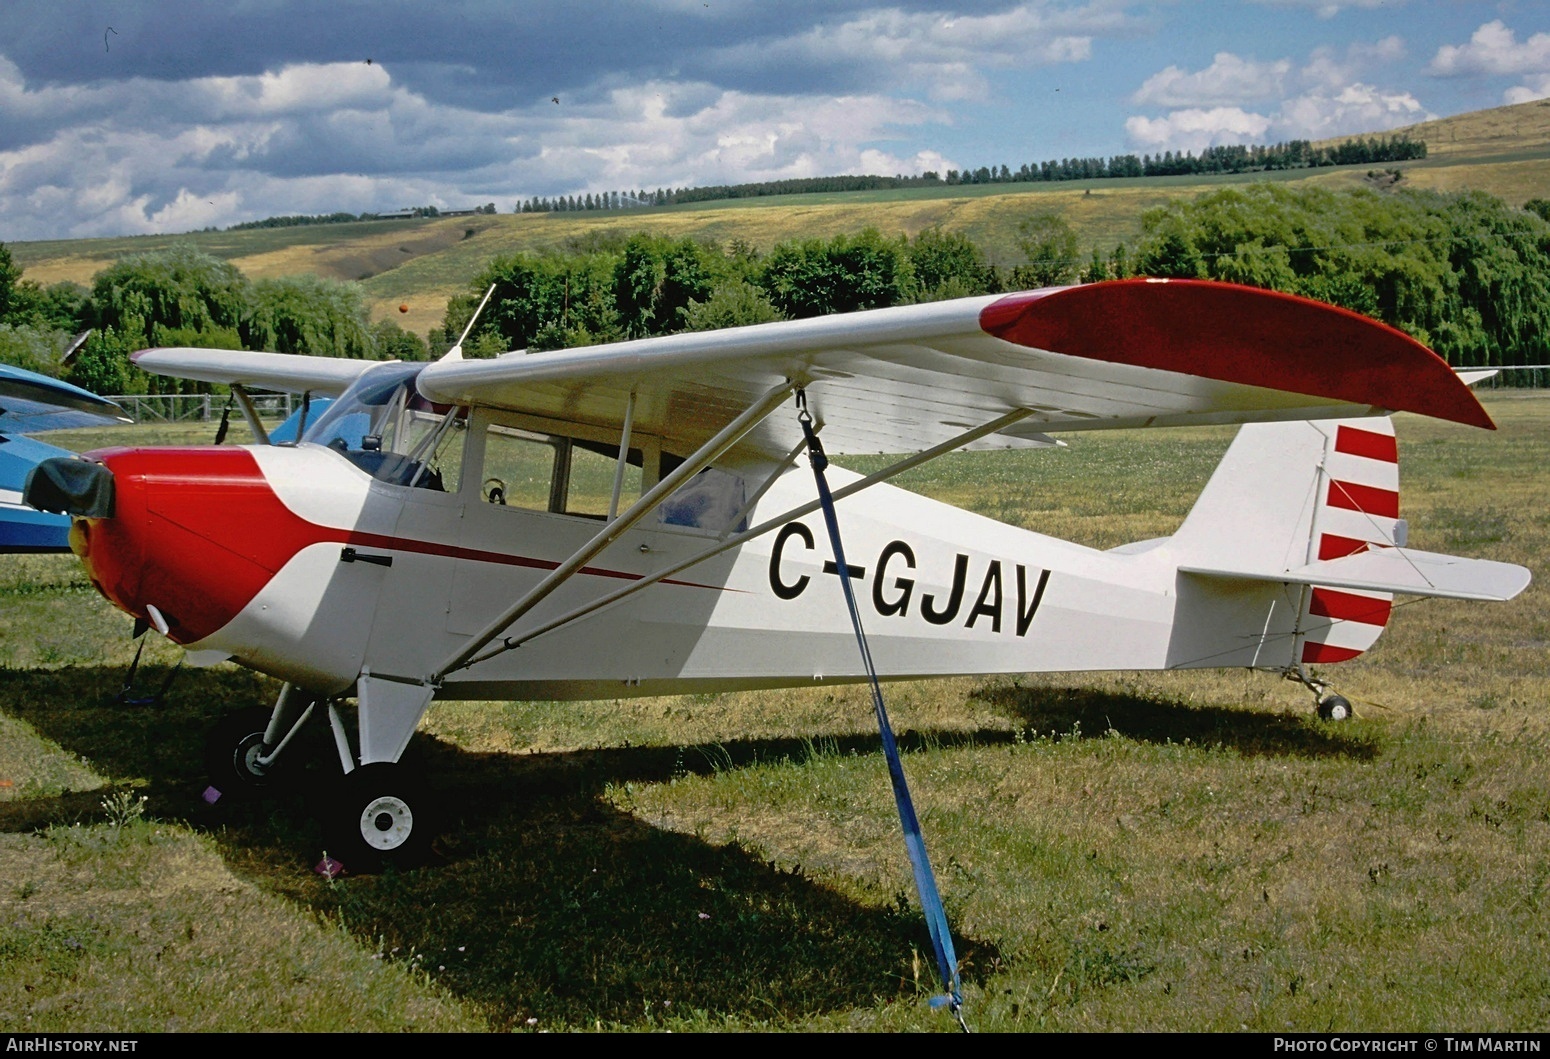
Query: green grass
[(1125, 851)]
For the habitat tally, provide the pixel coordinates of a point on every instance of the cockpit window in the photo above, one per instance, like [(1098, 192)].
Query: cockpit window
[(383, 426)]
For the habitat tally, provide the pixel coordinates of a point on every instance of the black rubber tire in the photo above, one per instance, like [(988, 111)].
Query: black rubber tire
[(1335, 708), (230, 747), (380, 817)]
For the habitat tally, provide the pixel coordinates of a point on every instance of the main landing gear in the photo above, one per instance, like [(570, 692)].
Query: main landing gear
[(380, 816), (375, 815)]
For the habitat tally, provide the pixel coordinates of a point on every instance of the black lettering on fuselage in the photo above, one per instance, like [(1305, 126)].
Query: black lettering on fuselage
[(989, 602), (954, 601), (779, 587), (1025, 614), (904, 585), (892, 592)]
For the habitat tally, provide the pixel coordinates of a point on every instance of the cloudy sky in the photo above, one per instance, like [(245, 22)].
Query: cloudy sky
[(137, 116)]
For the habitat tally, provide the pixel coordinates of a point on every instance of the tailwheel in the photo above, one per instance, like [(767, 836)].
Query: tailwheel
[(1335, 708), (381, 817), (232, 752)]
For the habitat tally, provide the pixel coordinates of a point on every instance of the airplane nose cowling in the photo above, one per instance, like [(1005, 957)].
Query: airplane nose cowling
[(193, 532), (68, 486)]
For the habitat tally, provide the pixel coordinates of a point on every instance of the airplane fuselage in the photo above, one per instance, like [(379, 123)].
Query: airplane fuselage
[(295, 562)]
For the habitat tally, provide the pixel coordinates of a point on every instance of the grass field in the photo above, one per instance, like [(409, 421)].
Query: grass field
[(1117, 851)]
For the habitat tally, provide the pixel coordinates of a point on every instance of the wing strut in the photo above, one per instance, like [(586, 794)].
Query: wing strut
[(924, 456), (914, 842), (250, 413), (728, 436)]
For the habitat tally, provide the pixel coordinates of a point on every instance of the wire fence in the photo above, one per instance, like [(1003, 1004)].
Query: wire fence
[(1516, 377), (199, 407)]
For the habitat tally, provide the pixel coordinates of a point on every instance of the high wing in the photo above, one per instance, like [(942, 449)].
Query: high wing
[(1131, 353), (30, 403), (1128, 353), (291, 372)]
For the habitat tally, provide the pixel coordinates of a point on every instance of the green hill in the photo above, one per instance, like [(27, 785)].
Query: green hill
[(420, 263)]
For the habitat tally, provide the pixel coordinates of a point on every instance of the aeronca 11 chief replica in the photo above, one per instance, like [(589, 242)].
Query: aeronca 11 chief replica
[(641, 518)]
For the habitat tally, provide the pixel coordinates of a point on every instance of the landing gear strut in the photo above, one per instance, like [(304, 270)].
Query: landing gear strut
[(243, 751), (1329, 705)]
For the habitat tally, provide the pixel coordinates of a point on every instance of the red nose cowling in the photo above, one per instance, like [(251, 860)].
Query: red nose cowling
[(195, 533)]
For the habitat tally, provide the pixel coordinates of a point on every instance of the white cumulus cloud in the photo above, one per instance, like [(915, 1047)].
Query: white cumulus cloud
[(1228, 81), (1493, 49), (1195, 128), (1237, 100)]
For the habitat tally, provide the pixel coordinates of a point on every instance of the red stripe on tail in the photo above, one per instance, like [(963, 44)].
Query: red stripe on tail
[(1367, 499), (1334, 546), (1357, 442), (1323, 652), (1347, 606)]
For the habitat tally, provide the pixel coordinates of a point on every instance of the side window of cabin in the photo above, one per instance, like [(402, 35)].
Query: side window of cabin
[(591, 478), (711, 500), (542, 472), (519, 468), (446, 455)]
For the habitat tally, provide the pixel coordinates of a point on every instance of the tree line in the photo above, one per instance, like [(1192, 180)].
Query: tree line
[(1238, 158), (180, 297), (1464, 273), (297, 220)]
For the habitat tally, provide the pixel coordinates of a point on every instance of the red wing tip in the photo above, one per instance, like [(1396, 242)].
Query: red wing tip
[(1238, 334)]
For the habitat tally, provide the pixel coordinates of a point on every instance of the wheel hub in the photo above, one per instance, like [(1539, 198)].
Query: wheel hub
[(386, 823), (247, 757)]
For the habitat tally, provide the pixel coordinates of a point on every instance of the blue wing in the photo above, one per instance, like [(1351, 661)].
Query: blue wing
[(31, 402)]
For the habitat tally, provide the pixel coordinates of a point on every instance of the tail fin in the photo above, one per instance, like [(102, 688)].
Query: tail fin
[(1298, 533)]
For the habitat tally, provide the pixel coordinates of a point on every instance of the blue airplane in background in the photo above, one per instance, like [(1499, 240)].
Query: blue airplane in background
[(30, 403)]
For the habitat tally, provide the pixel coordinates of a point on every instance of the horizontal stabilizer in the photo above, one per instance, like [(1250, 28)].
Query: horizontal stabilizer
[(1401, 570)]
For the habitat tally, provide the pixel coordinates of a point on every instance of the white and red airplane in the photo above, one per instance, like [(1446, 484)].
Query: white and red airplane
[(636, 518)]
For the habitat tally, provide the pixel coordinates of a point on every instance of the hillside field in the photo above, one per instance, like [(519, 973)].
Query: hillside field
[(421, 263)]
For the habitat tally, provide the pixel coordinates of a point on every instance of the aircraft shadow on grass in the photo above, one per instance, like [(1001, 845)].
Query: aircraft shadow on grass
[(544, 899), (1064, 713)]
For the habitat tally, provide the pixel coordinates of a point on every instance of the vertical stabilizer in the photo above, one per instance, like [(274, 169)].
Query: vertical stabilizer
[(1286, 495)]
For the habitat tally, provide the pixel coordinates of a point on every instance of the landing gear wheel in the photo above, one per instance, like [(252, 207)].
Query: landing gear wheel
[(232, 750), (1335, 708), (381, 817)]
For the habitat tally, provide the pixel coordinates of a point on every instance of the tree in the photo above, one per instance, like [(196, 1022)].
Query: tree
[(178, 289), (391, 342), (849, 272), (307, 314), (30, 348), (733, 304), (656, 278), (10, 278), (102, 365), (1050, 246), (949, 265), (1463, 273)]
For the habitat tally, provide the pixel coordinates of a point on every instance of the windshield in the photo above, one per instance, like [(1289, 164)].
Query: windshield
[(383, 426)]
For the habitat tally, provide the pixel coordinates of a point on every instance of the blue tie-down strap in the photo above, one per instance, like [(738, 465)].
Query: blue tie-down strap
[(914, 843)]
